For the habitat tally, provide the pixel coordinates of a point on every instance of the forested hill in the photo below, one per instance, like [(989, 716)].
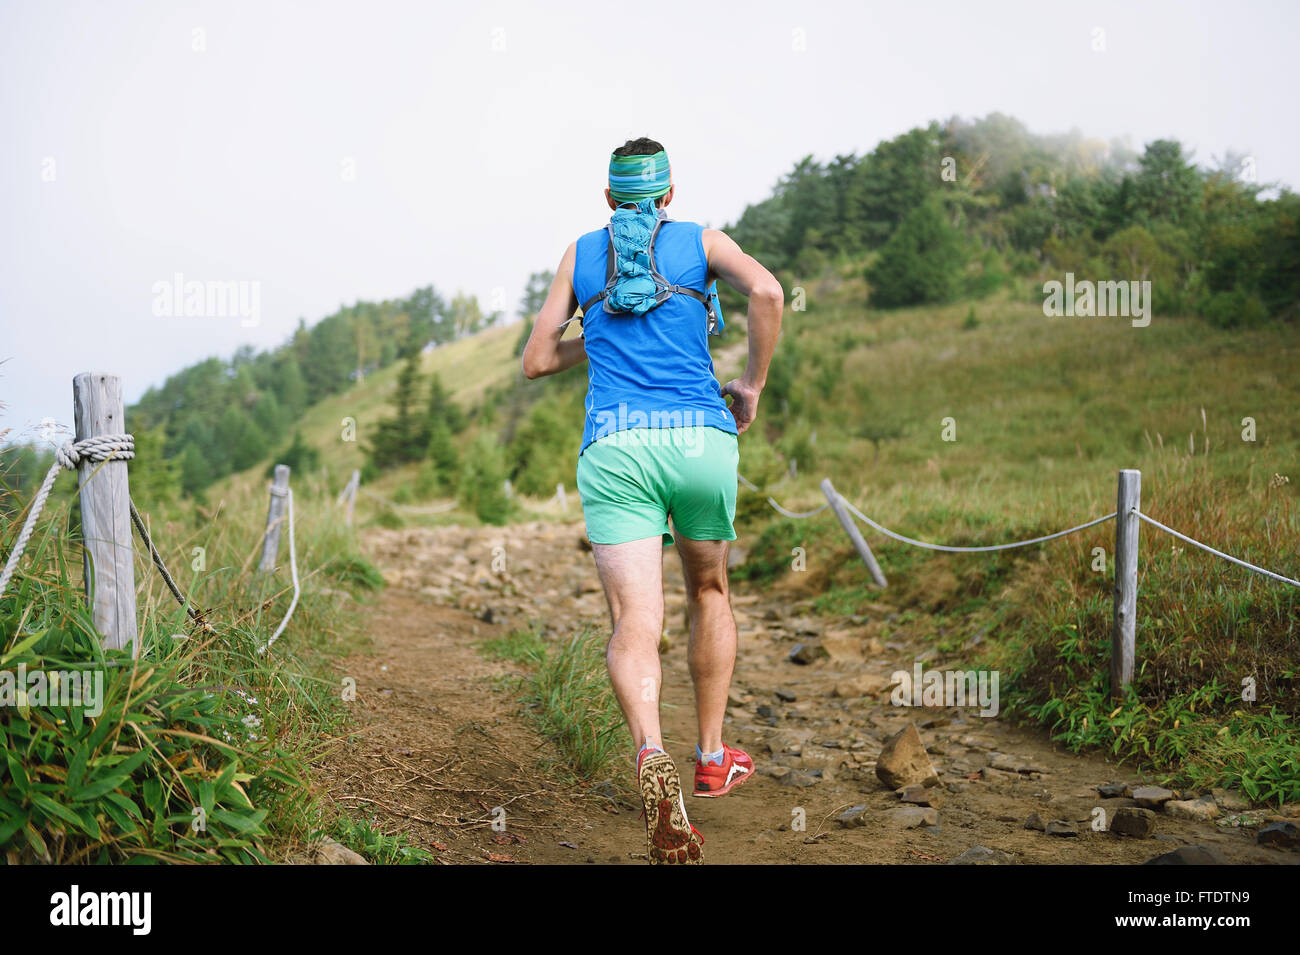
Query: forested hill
[(944, 212), (222, 416), (962, 208)]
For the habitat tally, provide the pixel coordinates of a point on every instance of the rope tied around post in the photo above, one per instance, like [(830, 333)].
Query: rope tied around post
[(69, 456)]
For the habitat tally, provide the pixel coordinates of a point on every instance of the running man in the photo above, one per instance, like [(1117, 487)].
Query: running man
[(659, 443)]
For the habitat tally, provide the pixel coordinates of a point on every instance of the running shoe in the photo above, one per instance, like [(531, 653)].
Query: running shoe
[(670, 837), (718, 780)]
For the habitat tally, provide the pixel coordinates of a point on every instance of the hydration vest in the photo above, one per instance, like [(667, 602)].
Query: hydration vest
[(663, 288)]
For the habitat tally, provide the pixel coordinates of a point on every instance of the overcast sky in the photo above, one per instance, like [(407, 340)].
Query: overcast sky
[(332, 152)]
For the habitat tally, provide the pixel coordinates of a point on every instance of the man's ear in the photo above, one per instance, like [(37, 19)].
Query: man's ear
[(609, 197), (668, 197)]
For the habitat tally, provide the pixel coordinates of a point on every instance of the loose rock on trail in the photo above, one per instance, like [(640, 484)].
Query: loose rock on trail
[(441, 750)]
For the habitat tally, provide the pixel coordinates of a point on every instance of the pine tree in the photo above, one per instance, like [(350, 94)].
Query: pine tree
[(921, 263), (404, 437), (443, 408)]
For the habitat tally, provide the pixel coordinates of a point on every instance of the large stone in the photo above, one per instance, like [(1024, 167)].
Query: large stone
[(1152, 797), (1282, 835), (910, 817), (806, 653), (983, 855), (1189, 855), (801, 778), (1230, 801), (330, 852), (1060, 827), (1013, 764), (931, 796), (853, 817), (1132, 821), (903, 761), (865, 684), (1199, 810), (1035, 821), (1112, 790)]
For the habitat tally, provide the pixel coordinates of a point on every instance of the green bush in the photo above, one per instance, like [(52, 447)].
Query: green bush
[(921, 263), (482, 481), (1234, 309)]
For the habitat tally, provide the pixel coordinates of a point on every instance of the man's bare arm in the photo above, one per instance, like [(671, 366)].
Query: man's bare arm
[(546, 353), (766, 302)]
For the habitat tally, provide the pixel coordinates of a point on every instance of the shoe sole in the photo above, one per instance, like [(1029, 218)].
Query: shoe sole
[(670, 840), (715, 793)]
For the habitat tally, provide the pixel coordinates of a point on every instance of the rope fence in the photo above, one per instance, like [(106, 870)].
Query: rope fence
[(1217, 553), (1128, 513), (949, 548), (107, 537)]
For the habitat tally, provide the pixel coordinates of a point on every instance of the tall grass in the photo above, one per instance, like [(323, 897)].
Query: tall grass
[(567, 694), (202, 752)]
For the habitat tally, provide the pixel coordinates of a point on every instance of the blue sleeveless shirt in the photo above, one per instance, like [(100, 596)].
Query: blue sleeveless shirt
[(652, 370)]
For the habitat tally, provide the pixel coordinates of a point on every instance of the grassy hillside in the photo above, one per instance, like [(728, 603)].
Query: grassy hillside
[(469, 367)]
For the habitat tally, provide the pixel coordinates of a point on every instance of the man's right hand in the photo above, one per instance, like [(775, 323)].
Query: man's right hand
[(763, 319), (744, 402)]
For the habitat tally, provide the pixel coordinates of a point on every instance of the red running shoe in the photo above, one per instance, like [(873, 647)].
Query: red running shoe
[(711, 780), (670, 837)]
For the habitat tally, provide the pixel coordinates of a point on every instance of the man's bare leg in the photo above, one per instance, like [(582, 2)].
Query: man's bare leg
[(712, 649), (632, 575)]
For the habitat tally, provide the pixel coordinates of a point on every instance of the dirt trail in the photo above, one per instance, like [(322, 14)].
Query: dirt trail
[(440, 744)]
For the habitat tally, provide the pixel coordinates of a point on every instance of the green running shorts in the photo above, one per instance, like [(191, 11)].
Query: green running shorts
[(632, 481)]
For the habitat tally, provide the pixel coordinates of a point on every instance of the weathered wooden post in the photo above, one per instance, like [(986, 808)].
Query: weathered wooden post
[(352, 495), (1128, 502), (850, 528), (106, 514), (562, 497), (274, 518)]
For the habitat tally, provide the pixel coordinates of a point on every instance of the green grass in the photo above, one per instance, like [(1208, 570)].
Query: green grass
[(566, 693), (379, 848)]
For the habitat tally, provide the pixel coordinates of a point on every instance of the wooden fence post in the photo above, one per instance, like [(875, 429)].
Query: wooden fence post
[(850, 528), (274, 518), (1128, 500), (106, 514), (562, 498)]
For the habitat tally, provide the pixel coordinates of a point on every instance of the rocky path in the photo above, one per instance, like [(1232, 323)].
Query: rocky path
[(442, 746)]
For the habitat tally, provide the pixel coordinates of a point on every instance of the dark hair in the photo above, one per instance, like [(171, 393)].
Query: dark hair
[(638, 147)]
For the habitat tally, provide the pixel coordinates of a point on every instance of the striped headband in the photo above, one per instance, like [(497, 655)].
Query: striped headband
[(634, 178)]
